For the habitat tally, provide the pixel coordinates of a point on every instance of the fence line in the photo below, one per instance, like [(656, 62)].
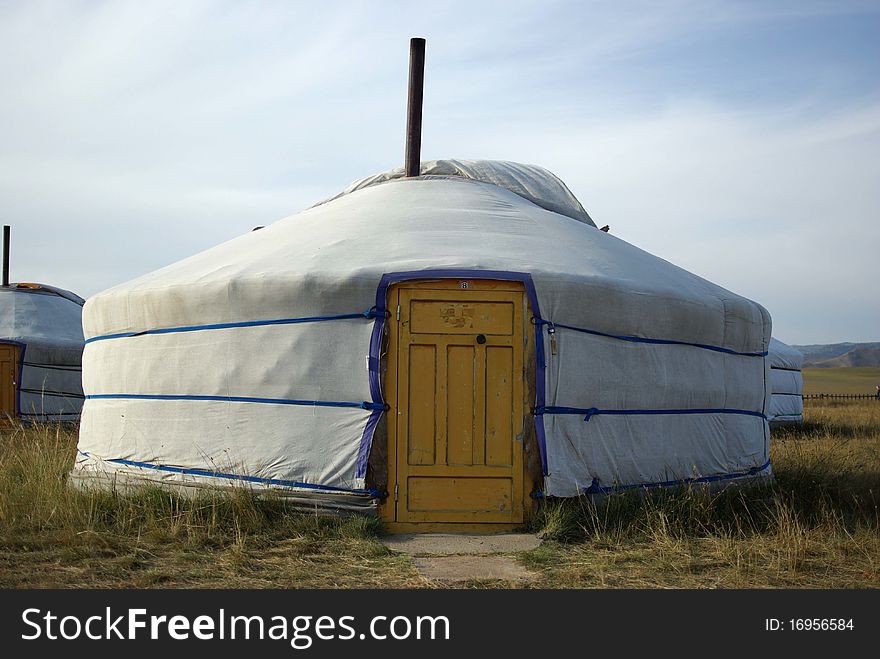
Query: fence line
[(840, 396)]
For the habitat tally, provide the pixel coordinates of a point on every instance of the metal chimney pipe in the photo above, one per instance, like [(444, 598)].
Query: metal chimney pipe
[(414, 106), (6, 238)]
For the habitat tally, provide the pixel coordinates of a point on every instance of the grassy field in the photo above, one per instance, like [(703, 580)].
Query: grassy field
[(841, 380), (818, 526)]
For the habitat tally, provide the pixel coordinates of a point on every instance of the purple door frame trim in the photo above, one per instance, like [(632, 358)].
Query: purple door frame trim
[(376, 345)]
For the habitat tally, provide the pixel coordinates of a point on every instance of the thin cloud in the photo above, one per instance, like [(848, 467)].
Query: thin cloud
[(136, 134)]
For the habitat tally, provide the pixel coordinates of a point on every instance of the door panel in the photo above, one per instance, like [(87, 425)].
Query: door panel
[(8, 377), (422, 394), (459, 410), (488, 497), (460, 404), (499, 406)]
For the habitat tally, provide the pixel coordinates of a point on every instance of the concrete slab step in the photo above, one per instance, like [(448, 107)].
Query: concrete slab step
[(451, 569), (428, 544)]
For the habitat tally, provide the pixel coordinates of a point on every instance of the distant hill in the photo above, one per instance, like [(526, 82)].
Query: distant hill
[(837, 355)]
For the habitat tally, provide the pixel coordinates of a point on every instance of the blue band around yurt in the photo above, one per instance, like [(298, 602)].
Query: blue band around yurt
[(50, 392), (365, 405), (237, 477), (640, 339), (589, 412), (596, 488), (371, 313), (53, 367)]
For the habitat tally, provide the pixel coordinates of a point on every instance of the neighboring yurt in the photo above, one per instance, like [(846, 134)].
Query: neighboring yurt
[(786, 384), (447, 348), (41, 344)]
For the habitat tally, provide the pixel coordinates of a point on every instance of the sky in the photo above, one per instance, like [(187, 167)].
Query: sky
[(739, 140)]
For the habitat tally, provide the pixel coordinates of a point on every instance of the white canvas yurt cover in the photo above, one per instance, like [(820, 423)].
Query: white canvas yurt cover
[(786, 384), (44, 323), (261, 360)]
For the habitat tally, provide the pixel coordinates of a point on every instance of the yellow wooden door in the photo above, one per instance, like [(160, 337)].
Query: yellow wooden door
[(459, 404), (8, 376)]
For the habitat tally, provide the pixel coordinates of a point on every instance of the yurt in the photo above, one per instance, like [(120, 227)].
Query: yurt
[(41, 344), (786, 384), (442, 349)]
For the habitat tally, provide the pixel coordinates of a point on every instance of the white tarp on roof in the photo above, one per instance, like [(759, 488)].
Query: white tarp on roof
[(538, 185), (178, 398), (46, 322), (786, 383)]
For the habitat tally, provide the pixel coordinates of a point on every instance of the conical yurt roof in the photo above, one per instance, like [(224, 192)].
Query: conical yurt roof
[(41, 314), (338, 249)]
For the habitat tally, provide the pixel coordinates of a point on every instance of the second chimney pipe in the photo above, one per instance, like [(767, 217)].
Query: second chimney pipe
[(414, 106), (6, 238)]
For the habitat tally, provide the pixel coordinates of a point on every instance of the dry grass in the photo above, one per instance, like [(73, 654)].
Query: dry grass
[(52, 535), (816, 527), (847, 380)]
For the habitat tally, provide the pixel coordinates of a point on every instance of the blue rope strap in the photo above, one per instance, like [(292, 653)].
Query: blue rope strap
[(639, 339), (48, 392), (238, 477), (365, 405), (596, 488), (370, 313), (48, 413), (590, 412)]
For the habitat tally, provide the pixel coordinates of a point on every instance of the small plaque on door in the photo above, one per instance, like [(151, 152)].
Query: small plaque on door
[(447, 317)]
